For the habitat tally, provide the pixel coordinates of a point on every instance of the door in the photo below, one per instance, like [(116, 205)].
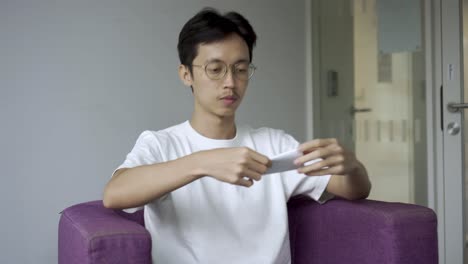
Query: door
[(452, 194), (369, 89)]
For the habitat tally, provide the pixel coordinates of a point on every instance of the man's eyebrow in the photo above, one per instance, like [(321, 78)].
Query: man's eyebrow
[(242, 61), (213, 60), (219, 60)]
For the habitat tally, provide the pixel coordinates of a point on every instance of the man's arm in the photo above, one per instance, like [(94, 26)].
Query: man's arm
[(349, 177), (138, 186), (354, 186)]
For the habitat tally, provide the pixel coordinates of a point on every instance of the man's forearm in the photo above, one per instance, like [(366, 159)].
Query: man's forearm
[(137, 186), (358, 183)]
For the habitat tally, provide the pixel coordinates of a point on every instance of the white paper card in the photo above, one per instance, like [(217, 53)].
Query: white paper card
[(284, 161)]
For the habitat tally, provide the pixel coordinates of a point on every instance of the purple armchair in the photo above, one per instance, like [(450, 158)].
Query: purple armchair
[(340, 231)]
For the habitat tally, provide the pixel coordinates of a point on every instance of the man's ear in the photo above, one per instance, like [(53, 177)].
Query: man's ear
[(185, 75)]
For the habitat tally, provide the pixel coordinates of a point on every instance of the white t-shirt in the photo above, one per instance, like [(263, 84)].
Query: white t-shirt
[(209, 221)]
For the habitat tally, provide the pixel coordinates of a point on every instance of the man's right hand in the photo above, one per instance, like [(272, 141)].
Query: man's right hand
[(239, 166)]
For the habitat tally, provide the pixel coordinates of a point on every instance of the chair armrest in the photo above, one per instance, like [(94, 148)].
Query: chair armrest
[(363, 231), (90, 233)]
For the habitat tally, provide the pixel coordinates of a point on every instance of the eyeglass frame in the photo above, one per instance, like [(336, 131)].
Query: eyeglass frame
[(228, 66)]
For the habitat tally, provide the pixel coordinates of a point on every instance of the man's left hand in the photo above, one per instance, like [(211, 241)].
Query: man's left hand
[(336, 160)]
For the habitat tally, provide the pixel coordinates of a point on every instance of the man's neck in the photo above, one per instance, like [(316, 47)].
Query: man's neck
[(214, 127)]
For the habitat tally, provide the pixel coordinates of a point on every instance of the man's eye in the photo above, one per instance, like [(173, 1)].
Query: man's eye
[(215, 70)]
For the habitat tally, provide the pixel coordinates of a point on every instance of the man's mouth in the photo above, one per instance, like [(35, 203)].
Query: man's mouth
[(229, 100)]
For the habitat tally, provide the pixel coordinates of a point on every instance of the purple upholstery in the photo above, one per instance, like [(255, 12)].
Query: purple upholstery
[(363, 232), (339, 231), (90, 233)]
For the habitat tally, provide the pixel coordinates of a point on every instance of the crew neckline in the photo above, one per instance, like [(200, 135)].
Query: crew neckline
[(211, 141)]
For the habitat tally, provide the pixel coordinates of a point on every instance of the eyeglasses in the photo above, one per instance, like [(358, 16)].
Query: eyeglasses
[(216, 70)]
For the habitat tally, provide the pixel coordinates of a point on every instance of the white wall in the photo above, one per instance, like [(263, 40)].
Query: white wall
[(79, 80)]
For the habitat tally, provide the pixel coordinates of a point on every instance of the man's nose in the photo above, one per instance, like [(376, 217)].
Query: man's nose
[(229, 79)]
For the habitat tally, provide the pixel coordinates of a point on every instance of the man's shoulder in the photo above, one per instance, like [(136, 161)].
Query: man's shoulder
[(163, 134), (175, 129)]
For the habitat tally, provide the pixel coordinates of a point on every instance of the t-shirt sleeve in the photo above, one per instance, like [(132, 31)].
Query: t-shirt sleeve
[(144, 152), (296, 183)]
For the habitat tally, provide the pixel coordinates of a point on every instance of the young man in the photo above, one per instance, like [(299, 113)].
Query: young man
[(202, 182)]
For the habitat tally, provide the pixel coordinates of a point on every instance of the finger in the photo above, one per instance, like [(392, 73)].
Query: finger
[(322, 153), (317, 143), (256, 166), (253, 174), (335, 170), (322, 164), (245, 182), (260, 158)]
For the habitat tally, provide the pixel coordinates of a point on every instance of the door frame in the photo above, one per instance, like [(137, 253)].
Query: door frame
[(435, 156), (312, 96)]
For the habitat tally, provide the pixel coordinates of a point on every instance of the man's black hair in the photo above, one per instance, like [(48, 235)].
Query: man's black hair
[(209, 26)]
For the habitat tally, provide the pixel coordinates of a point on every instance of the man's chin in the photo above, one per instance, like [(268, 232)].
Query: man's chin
[(226, 113)]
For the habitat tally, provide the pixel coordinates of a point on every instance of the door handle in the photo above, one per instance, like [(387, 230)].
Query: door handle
[(355, 110), (453, 108)]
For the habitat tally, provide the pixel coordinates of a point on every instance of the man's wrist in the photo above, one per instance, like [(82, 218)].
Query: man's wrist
[(357, 170), (195, 165)]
